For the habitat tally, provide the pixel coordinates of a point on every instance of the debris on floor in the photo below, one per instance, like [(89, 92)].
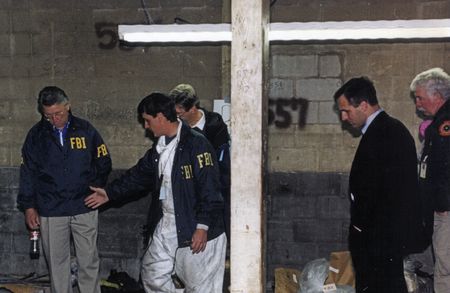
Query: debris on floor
[(30, 283)]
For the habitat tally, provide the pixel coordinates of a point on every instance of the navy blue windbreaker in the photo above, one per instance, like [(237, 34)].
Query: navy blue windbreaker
[(195, 186), (55, 179)]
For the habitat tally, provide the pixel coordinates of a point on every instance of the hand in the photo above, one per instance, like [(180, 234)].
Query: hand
[(199, 240), (32, 218), (97, 198)]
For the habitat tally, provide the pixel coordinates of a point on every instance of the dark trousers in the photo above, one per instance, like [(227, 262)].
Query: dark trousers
[(376, 270)]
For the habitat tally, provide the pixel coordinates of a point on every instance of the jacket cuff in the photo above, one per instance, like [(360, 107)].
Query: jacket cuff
[(203, 227)]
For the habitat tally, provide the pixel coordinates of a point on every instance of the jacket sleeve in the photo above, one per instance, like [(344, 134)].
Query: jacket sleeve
[(441, 162), (401, 202), (28, 172), (209, 203), (101, 160), (135, 181), (217, 130)]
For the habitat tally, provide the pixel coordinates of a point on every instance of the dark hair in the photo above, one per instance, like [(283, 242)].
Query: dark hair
[(356, 90), (185, 96), (158, 103), (49, 96), (186, 101)]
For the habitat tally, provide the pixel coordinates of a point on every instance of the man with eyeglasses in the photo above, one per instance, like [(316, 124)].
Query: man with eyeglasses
[(62, 156)]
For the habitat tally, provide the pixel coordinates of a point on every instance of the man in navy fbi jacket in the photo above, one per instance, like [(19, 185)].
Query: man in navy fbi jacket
[(62, 156), (186, 212)]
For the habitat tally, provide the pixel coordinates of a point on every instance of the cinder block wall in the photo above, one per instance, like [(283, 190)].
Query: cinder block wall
[(120, 241), (73, 44), (310, 153)]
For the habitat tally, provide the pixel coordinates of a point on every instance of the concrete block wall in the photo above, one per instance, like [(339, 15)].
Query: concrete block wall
[(305, 134), (310, 156), (308, 218), (321, 143), (14, 242), (120, 241), (73, 44)]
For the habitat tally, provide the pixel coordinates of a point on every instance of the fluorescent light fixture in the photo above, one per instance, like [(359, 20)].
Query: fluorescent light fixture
[(294, 31), (174, 33), (360, 30)]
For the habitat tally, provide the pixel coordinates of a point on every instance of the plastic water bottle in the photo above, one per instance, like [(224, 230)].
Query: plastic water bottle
[(34, 243)]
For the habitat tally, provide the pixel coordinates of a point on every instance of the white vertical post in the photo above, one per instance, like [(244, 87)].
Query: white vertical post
[(249, 57)]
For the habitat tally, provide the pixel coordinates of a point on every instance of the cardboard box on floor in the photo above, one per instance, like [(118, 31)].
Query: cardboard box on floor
[(341, 273), (341, 269), (287, 280)]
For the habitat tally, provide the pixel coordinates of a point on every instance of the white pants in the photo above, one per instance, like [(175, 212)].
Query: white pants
[(441, 245), (56, 233), (200, 273)]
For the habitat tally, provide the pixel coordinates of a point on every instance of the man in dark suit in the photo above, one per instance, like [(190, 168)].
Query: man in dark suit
[(385, 221)]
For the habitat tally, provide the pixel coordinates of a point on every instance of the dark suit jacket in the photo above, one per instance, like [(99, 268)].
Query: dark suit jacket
[(384, 185)]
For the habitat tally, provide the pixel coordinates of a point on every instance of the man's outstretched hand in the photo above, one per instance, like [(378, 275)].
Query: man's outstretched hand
[(97, 198)]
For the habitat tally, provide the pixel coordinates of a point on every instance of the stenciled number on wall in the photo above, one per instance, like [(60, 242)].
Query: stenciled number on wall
[(109, 38), (282, 115)]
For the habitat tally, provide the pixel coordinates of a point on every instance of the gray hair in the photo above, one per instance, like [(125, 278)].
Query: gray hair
[(434, 80)]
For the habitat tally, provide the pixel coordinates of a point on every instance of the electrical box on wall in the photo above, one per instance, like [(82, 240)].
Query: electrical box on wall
[(224, 109)]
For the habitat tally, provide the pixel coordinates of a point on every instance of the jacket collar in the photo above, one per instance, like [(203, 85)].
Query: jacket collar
[(444, 109), (185, 129), (370, 120)]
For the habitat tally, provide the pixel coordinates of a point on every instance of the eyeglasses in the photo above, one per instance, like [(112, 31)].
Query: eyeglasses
[(180, 114), (54, 115), (58, 114)]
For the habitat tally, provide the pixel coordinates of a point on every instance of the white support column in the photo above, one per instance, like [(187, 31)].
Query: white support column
[(249, 57)]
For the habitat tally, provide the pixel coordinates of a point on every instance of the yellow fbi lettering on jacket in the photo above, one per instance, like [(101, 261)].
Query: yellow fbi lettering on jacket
[(204, 160), (78, 143), (186, 170), (101, 150)]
